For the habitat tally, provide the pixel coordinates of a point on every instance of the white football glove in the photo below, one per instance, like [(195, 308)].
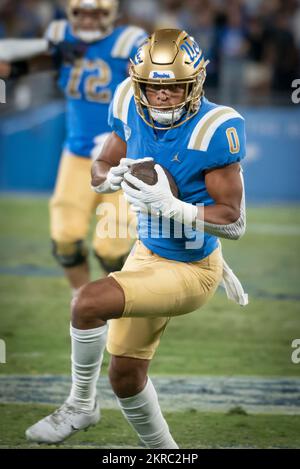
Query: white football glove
[(158, 199), (115, 175)]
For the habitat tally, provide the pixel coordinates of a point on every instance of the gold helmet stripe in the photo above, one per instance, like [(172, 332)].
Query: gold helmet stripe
[(208, 125), (122, 100), (83, 4), (126, 41), (56, 31)]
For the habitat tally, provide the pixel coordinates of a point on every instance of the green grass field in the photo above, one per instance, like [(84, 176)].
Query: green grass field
[(222, 339), (190, 429)]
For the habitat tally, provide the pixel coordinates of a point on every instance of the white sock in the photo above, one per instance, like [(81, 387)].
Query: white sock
[(74, 292), (144, 415), (87, 355)]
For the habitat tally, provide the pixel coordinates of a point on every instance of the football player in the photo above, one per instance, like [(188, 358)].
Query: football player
[(92, 57), (161, 112)]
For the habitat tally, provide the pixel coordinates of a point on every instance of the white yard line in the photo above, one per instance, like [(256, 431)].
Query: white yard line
[(218, 394)]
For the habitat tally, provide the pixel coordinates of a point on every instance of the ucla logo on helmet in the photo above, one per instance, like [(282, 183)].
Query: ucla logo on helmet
[(88, 4), (138, 57), (193, 50)]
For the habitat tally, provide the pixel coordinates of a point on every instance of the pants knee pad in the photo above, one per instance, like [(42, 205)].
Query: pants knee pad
[(111, 265), (69, 254)]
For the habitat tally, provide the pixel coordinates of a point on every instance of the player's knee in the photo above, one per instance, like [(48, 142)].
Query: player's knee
[(89, 306), (128, 376), (97, 302), (111, 265), (69, 254), (82, 307)]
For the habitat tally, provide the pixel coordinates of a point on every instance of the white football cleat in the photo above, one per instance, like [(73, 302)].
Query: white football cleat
[(63, 423)]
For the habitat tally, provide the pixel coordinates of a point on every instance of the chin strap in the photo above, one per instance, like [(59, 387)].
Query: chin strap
[(164, 117), (91, 36)]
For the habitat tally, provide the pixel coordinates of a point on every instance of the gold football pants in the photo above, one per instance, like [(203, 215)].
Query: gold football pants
[(157, 289)]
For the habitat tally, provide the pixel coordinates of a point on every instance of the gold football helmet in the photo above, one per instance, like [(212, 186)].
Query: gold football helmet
[(109, 9), (169, 57)]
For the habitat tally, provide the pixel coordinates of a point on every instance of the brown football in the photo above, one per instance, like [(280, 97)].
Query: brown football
[(146, 173)]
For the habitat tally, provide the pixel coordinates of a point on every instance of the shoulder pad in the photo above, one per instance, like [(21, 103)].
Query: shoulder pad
[(208, 125), (122, 100), (56, 31), (126, 41)]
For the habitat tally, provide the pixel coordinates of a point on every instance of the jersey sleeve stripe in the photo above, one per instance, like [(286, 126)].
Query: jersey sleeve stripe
[(56, 31), (213, 128), (126, 104), (200, 124), (121, 100), (126, 41), (208, 125)]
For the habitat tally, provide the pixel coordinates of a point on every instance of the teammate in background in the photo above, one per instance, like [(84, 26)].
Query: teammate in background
[(159, 112), (92, 57)]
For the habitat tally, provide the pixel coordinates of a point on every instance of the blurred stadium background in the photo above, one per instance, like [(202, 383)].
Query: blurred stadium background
[(254, 52)]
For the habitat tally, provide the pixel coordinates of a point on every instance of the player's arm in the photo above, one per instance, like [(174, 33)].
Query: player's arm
[(19, 57), (225, 187), (113, 150), (109, 168), (226, 218), (20, 68)]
